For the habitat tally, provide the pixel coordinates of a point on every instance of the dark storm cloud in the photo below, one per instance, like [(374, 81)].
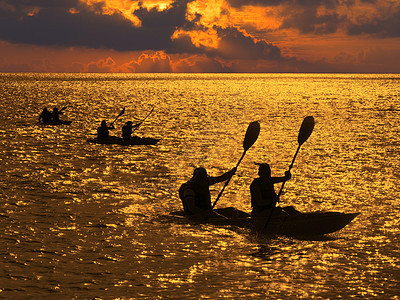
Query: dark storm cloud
[(268, 3), (53, 24), (50, 23), (303, 15), (389, 27), (308, 21), (233, 44)]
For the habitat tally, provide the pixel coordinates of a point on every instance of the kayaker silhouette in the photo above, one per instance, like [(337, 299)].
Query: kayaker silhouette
[(55, 115), (128, 129), (45, 116), (263, 195), (103, 131), (195, 194)]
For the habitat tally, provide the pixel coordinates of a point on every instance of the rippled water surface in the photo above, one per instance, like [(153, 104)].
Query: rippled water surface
[(81, 220)]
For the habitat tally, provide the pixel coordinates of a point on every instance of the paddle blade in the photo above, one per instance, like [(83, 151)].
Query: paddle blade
[(251, 135), (122, 112), (306, 129)]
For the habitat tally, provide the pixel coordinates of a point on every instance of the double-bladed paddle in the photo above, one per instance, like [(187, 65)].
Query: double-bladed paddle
[(304, 133), (250, 138)]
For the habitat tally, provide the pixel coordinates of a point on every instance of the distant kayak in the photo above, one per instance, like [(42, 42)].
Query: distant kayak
[(300, 224), (115, 140), (54, 123)]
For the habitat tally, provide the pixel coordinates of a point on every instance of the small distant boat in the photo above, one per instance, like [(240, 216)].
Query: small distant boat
[(55, 123), (299, 224), (133, 141)]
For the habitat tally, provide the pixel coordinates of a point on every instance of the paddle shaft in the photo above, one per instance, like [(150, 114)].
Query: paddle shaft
[(290, 167), (281, 189), (229, 179), (252, 132), (120, 114), (143, 120)]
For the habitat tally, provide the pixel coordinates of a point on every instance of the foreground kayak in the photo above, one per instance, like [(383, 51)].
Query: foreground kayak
[(298, 224), (115, 140), (53, 123)]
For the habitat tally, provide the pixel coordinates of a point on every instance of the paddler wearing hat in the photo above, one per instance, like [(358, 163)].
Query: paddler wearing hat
[(263, 195)]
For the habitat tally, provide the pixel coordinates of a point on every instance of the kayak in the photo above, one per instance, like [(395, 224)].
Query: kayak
[(53, 123), (298, 224), (115, 140), (313, 223)]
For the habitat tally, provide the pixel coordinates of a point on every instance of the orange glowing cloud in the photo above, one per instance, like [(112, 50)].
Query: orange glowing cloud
[(103, 66), (110, 7), (220, 13), (212, 13), (126, 7), (199, 38), (200, 35), (157, 62)]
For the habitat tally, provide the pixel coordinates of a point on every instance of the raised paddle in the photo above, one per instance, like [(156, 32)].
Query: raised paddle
[(120, 114), (250, 138), (304, 133), (141, 122)]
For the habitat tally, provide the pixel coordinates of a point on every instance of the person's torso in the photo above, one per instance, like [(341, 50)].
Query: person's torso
[(267, 191), (202, 197), (102, 132)]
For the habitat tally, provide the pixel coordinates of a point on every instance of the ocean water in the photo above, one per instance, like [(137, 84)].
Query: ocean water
[(85, 221)]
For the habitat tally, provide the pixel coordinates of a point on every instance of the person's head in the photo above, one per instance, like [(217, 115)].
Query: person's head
[(200, 176), (55, 109), (264, 170), (103, 124), (129, 123)]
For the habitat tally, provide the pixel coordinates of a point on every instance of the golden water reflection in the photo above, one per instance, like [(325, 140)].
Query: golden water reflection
[(81, 220)]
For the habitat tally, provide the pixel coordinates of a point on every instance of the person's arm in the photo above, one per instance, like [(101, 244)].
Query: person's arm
[(223, 177), (287, 176)]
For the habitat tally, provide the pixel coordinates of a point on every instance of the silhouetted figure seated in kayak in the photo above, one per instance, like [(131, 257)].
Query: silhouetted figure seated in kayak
[(103, 131), (45, 116), (263, 195), (196, 198), (55, 115), (127, 130)]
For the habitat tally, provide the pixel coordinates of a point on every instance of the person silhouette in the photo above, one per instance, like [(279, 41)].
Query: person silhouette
[(103, 131), (128, 129), (263, 195), (195, 193), (45, 116), (55, 116)]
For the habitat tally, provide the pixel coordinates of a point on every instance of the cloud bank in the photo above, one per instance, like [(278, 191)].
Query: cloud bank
[(178, 35)]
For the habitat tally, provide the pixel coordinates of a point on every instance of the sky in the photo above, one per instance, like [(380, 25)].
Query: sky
[(351, 36)]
